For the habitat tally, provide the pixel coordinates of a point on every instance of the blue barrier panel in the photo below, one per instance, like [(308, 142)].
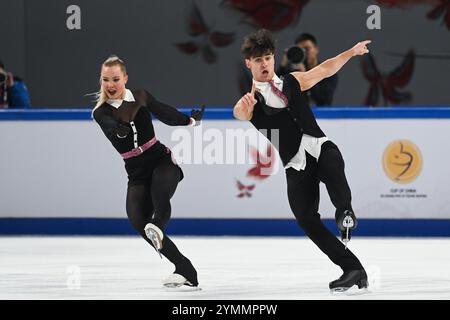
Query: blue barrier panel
[(221, 227), (227, 114)]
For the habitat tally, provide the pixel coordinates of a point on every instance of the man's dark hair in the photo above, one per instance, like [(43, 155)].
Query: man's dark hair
[(258, 44), (305, 37), (2, 65)]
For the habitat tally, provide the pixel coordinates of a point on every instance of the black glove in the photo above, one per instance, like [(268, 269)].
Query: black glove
[(197, 115)]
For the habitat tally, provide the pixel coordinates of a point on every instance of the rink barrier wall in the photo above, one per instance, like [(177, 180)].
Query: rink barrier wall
[(220, 227), (221, 113)]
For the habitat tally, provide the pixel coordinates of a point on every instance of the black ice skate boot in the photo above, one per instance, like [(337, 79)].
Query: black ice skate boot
[(346, 222), (184, 276), (348, 280)]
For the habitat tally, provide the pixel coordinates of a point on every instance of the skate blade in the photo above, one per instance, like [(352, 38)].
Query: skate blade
[(155, 246), (176, 287), (345, 241), (176, 282), (155, 235), (159, 252), (352, 291), (154, 240)]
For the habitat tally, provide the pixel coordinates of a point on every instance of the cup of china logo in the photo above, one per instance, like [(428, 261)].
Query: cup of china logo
[(402, 161)]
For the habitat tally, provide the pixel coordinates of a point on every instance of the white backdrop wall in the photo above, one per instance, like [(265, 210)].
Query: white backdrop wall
[(69, 169)]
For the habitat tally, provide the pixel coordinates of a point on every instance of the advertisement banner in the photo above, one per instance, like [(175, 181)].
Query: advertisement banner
[(396, 169)]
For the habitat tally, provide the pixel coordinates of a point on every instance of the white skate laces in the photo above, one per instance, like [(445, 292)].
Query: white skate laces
[(155, 235)]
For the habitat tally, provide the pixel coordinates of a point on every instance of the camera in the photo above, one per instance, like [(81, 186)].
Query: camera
[(295, 54)]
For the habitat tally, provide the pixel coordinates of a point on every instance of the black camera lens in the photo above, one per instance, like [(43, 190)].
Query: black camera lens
[(295, 54), (2, 77)]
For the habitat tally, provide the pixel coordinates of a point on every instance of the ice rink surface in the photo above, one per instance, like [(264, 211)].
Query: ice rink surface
[(229, 268)]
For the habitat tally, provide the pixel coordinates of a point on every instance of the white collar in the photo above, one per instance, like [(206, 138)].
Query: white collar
[(117, 102), (275, 79), (271, 98)]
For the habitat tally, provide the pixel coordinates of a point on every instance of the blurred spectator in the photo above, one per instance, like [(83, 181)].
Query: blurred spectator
[(322, 93), (13, 91)]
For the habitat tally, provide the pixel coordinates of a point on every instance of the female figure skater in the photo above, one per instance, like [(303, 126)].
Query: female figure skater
[(125, 118)]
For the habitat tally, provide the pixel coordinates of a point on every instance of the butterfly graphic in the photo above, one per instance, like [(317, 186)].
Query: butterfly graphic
[(387, 85), (197, 27), (244, 191), (268, 14)]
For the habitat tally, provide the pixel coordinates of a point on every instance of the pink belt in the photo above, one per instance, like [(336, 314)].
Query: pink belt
[(137, 151)]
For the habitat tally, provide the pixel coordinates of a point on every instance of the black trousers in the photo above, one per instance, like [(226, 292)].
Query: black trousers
[(303, 195)]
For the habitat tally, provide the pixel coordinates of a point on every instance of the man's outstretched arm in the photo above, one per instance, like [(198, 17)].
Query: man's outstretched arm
[(329, 67)]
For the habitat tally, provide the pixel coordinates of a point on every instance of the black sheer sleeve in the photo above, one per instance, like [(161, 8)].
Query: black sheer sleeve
[(167, 114), (110, 126)]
